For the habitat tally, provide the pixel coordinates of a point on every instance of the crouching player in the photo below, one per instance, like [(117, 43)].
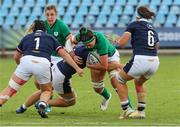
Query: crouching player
[(61, 73), (33, 58)]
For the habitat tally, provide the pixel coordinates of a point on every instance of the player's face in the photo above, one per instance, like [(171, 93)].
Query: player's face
[(50, 16), (91, 44)]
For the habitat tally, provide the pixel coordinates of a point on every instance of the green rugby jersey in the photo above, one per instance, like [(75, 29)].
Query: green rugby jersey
[(59, 30), (102, 45)]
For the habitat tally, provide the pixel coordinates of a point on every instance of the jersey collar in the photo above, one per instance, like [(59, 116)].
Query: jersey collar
[(143, 19)]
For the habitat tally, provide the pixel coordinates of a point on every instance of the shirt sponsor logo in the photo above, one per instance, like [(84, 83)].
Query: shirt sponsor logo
[(56, 34)]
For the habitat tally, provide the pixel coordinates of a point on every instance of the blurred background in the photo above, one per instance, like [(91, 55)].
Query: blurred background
[(108, 16)]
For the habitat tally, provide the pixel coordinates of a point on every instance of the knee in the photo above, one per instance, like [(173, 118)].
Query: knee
[(71, 101), (98, 86)]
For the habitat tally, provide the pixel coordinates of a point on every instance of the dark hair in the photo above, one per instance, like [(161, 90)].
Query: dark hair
[(39, 25), (85, 34), (144, 12), (51, 7)]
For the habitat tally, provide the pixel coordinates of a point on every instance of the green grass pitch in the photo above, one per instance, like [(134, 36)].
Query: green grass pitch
[(163, 101)]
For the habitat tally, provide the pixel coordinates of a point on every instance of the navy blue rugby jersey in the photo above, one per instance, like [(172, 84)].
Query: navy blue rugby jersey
[(38, 44), (66, 69), (143, 38)]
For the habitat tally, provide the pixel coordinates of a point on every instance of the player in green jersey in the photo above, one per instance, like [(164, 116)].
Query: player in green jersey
[(109, 60)]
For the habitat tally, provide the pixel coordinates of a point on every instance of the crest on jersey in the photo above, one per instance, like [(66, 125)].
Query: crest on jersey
[(56, 34), (149, 26)]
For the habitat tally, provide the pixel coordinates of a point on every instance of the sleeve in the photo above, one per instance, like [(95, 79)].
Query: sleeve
[(20, 46), (130, 28), (65, 29), (102, 45)]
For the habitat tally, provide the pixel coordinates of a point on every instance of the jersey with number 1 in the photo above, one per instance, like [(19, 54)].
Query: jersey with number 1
[(38, 44), (143, 38)]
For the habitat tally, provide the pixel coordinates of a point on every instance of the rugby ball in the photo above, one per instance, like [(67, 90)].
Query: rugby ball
[(93, 58)]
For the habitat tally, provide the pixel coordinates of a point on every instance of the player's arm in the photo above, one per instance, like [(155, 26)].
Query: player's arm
[(17, 56), (102, 65), (115, 65), (124, 39)]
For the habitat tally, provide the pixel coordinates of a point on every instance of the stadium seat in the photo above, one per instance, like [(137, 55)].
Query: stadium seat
[(155, 2), (163, 9), (176, 2), (83, 10), (1, 21), (61, 10), (29, 3), (106, 10), (171, 20), (64, 3), (174, 10), (143, 2), (166, 2), (132, 2), (86, 3), (120, 2), (117, 10), (25, 11), (14, 11), (7, 3), (3, 11), (153, 8), (90, 20), (37, 11), (52, 2), (75, 2), (94, 10), (21, 20), (41, 3), (98, 2), (78, 20), (18, 3), (125, 19), (10, 21), (129, 10), (113, 20), (160, 19), (101, 20), (178, 23), (67, 19), (109, 2), (71, 10)]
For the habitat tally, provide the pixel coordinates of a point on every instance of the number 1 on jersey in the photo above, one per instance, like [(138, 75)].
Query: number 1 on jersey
[(37, 40)]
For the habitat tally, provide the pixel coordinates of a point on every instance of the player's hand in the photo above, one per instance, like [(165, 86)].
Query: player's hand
[(78, 59), (80, 72)]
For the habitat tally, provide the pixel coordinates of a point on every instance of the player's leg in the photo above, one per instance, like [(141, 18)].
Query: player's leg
[(15, 83), (98, 85)]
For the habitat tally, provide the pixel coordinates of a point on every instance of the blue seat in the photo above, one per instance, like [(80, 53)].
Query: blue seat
[(160, 18), (125, 19), (174, 10), (3, 11), (155, 2), (29, 3), (52, 2), (102, 19), (21, 20), (86, 3), (143, 2), (61, 10), (90, 20), (178, 23), (121, 2), (132, 2), (153, 8), (163, 9), (176, 2), (129, 10), (106, 10), (117, 10), (75, 2), (64, 3), (14, 11), (37, 11), (94, 10), (67, 19), (109, 2), (71, 10), (18, 3), (171, 18), (78, 20), (113, 20), (7, 3), (10, 21), (166, 2), (1, 21), (83, 10), (41, 3), (98, 2), (25, 11)]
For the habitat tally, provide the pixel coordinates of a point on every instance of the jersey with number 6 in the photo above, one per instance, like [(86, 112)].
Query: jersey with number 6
[(38, 44), (143, 38)]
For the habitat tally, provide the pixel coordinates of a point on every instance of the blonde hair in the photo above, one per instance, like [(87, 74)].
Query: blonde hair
[(30, 29)]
